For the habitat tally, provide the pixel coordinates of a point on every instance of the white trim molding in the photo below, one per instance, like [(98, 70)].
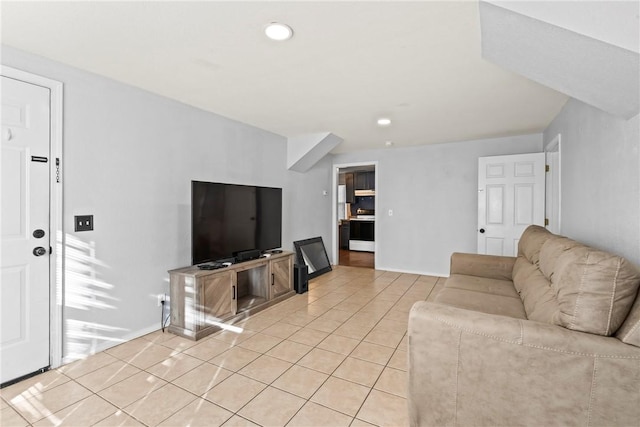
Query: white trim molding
[(555, 146)]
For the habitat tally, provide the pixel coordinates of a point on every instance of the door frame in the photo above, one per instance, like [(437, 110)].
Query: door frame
[(555, 146), (334, 209), (56, 231)]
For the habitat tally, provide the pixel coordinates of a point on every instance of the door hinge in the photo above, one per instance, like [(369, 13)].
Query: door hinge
[(546, 168), (57, 169), (546, 222)]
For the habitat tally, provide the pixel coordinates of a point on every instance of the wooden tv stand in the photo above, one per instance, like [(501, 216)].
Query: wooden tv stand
[(202, 301)]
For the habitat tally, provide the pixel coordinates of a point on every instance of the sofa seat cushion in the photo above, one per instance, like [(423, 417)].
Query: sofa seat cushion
[(491, 298), (482, 284)]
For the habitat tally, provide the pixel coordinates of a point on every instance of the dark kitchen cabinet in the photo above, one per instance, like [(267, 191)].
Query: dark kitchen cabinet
[(344, 234), (349, 182), (371, 181), (365, 180)]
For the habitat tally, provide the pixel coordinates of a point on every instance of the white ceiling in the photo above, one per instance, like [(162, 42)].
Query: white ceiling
[(348, 63), (598, 70)]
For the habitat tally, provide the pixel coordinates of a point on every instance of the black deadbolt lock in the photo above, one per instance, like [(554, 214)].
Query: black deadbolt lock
[(38, 234), (482, 230)]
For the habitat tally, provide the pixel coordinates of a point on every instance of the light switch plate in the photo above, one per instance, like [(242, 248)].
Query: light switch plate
[(83, 222)]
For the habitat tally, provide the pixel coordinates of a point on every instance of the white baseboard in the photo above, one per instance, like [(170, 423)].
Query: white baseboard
[(422, 273)]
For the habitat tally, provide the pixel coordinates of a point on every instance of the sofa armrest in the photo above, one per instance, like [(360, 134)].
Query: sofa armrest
[(490, 266), (471, 368)]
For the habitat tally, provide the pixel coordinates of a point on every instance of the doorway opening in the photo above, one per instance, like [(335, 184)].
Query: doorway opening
[(354, 214)]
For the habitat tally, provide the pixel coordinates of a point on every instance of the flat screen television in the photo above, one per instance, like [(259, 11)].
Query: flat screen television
[(229, 218)]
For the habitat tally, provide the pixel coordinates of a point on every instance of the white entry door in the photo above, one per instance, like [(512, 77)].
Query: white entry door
[(24, 289), (510, 198)]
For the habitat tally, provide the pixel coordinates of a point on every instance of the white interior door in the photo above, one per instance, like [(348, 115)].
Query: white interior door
[(24, 289), (510, 198)]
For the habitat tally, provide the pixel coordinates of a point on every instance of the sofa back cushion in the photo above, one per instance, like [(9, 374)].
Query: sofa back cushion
[(629, 332), (554, 246), (594, 289), (540, 302), (563, 282), (531, 242)]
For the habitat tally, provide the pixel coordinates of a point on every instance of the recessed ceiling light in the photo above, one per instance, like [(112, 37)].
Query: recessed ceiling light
[(384, 121), (388, 144), (278, 32)]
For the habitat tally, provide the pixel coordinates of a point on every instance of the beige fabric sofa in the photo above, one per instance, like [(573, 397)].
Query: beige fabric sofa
[(551, 337)]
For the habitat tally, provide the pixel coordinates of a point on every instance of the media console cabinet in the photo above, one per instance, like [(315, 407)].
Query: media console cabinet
[(202, 301)]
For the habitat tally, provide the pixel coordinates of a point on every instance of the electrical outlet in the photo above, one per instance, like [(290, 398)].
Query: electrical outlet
[(83, 222), (163, 297)]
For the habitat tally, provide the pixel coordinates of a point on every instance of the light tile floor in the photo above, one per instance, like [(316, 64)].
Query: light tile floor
[(335, 356)]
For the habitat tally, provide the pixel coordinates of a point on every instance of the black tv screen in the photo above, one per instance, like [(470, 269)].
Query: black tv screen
[(229, 218)]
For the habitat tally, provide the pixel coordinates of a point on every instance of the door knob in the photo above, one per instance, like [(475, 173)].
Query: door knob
[(39, 251), (481, 230)]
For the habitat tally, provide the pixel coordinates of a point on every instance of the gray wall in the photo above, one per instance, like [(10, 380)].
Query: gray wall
[(433, 192), (310, 209), (129, 157), (600, 175)]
